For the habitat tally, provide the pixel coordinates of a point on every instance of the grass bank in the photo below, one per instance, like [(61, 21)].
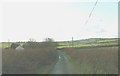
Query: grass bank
[(28, 61), (102, 60)]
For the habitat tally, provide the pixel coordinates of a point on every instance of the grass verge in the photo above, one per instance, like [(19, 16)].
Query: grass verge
[(95, 60)]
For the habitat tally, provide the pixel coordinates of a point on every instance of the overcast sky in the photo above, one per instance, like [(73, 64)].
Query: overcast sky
[(59, 20)]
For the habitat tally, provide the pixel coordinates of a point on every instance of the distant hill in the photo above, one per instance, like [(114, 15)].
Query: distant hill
[(77, 43), (90, 42), (93, 40)]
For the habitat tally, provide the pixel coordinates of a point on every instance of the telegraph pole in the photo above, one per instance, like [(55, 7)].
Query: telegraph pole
[(72, 41), (8, 40)]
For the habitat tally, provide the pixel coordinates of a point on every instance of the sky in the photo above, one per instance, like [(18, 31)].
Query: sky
[(60, 20)]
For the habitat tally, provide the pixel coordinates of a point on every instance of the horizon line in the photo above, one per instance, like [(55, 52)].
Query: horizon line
[(63, 40)]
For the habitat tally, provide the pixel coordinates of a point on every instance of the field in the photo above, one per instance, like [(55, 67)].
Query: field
[(30, 61), (90, 56), (4, 45), (92, 42), (103, 60)]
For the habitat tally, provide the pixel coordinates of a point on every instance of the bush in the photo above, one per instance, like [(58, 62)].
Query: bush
[(28, 61), (29, 45), (14, 45), (44, 44)]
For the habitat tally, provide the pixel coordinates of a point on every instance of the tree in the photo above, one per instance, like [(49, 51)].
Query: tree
[(31, 40), (49, 42), (31, 44), (14, 45)]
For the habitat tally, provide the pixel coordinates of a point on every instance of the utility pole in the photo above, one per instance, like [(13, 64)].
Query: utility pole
[(8, 41), (72, 41)]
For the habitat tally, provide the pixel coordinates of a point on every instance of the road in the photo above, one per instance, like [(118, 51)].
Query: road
[(63, 65)]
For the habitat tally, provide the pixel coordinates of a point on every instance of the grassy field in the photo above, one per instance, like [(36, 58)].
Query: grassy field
[(92, 42), (102, 60), (4, 45), (91, 56), (30, 61)]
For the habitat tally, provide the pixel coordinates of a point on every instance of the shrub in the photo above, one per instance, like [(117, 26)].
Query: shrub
[(28, 61), (14, 45)]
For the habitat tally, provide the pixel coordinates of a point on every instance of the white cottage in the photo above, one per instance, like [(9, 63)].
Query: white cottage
[(19, 48)]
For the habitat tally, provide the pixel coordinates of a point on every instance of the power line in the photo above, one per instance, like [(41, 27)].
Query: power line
[(91, 12)]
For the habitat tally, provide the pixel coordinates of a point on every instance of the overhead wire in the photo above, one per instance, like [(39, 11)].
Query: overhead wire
[(91, 12)]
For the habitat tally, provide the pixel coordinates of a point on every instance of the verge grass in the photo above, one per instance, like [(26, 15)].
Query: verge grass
[(102, 60)]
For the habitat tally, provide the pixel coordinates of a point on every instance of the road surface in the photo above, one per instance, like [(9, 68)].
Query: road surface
[(63, 65)]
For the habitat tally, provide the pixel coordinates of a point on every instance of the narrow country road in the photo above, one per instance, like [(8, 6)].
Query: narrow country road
[(63, 66)]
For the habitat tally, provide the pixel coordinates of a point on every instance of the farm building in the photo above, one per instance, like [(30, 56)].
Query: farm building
[(20, 47)]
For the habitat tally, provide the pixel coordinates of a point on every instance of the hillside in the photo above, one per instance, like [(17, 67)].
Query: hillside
[(92, 42)]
